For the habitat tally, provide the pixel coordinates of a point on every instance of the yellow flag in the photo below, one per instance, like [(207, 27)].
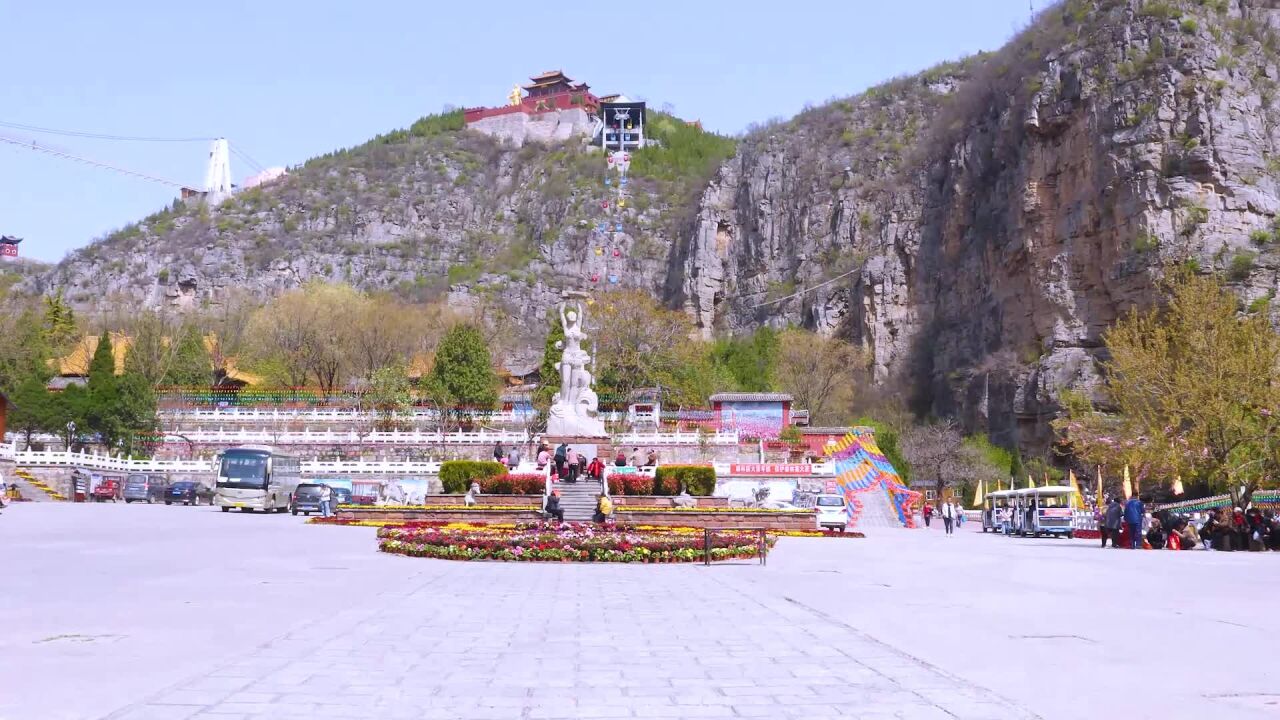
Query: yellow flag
[(1075, 488), (1128, 484), (1031, 482), (978, 495), (1177, 486), (1099, 486)]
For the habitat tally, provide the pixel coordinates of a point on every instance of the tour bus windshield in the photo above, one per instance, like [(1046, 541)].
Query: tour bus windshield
[(243, 470)]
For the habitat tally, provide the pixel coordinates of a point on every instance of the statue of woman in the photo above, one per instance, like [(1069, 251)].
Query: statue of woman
[(574, 359)]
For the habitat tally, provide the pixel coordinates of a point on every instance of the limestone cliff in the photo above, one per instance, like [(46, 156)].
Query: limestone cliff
[(997, 214)]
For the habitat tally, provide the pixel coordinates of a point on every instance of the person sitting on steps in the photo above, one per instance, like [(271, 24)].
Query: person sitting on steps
[(553, 506)]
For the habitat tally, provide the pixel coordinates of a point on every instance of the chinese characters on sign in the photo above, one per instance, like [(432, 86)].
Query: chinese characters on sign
[(770, 469)]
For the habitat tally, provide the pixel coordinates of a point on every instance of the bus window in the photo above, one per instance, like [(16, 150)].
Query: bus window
[(243, 471)]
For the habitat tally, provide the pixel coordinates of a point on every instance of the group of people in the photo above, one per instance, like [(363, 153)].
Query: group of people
[(603, 512), (568, 464), (1128, 525), (951, 512)]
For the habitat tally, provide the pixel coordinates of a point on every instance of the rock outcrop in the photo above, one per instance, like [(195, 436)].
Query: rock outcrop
[(994, 216)]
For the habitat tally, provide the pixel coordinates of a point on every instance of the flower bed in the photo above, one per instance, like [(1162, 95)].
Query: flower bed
[(561, 542)]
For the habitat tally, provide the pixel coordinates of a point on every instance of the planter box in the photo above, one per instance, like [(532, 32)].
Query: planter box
[(459, 515), (534, 501), (665, 501), (693, 518)]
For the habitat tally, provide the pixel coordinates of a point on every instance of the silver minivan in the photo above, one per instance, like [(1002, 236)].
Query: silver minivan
[(144, 488)]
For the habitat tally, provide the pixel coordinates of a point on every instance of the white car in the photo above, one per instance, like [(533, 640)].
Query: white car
[(833, 512)]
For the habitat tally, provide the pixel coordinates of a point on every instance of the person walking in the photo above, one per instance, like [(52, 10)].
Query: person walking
[(927, 512), (571, 461), (326, 501), (513, 458), (1134, 512), (562, 452), (948, 516), (1111, 521), (499, 454), (553, 506)]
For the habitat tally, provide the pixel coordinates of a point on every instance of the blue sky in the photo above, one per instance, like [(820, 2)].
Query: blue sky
[(286, 80)]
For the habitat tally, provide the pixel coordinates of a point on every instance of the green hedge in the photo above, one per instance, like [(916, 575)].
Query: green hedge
[(456, 475), (698, 479)]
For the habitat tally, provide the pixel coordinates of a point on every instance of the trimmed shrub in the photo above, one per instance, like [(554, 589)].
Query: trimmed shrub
[(630, 484), (698, 479), (456, 475)]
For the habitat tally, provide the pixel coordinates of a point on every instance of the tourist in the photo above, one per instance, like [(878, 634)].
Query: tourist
[(621, 460), (948, 512), (959, 510), (927, 512), (1005, 517), (544, 457), (513, 458), (562, 452), (595, 470), (1258, 530), (326, 501), (636, 458), (1241, 527), (571, 462), (1155, 535), (1134, 512), (652, 460), (1189, 537), (1273, 536), (604, 508), (553, 506), (498, 452), (1112, 519), (1217, 533)]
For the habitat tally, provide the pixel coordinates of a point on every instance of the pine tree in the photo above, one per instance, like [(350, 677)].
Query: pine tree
[(464, 370), (549, 373), (191, 364), (102, 396), (59, 322)]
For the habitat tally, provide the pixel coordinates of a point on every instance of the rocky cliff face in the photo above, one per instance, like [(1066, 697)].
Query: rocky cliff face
[(997, 215), (975, 227)]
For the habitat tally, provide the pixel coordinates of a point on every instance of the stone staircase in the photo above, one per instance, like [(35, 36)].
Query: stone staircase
[(877, 511), (32, 488), (578, 499)]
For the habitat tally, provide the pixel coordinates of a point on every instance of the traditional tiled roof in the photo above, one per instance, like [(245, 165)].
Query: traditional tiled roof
[(751, 397)]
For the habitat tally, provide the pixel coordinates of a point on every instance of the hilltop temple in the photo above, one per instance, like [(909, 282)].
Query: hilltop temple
[(552, 107)]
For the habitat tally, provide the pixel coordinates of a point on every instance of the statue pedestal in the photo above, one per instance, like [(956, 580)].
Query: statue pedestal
[(567, 424)]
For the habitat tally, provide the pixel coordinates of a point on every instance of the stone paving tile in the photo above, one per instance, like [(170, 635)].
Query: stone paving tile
[(501, 641)]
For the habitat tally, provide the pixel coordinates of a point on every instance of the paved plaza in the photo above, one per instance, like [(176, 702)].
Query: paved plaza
[(164, 613)]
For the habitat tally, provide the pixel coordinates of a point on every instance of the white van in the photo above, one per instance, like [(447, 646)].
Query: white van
[(833, 512)]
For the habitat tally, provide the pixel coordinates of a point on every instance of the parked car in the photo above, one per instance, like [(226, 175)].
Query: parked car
[(341, 496), (306, 498), (188, 492), (144, 488), (832, 512), (107, 489)]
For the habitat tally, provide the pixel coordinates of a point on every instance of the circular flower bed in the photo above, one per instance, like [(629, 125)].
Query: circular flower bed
[(561, 542)]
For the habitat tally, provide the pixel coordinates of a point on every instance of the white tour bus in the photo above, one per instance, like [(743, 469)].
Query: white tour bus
[(256, 477)]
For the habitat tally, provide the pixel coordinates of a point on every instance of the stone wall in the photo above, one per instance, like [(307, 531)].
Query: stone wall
[(518, 128)]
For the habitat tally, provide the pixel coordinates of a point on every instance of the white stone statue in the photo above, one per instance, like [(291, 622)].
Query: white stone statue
[(573, 411)]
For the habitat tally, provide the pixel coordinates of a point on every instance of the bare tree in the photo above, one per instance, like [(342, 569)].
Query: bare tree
[(820, 373), (938, 452)]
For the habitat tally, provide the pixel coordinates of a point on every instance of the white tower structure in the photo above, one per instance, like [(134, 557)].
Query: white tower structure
[(217, 177)]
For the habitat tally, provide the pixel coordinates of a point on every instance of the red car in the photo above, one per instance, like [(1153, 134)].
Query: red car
[(108, 489)]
